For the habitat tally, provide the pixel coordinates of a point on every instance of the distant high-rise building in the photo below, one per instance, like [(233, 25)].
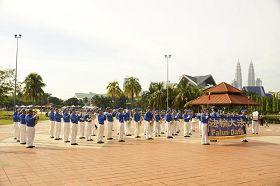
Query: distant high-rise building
[(251, 75), (237, 82), (234, 84), (238, 75), (258, 82)]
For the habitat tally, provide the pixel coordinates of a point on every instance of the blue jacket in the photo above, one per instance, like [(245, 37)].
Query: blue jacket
[(136, 117), (22, 119), (148, 116), (101, 119), (16, 117), (168, 117), (157, 118), (204, 119), (30, 121), (57, 117), (121, 117), (179, 116), (109, 117), (51, 116), (74, 118), (126, 116), (187, 117), (66, 118)]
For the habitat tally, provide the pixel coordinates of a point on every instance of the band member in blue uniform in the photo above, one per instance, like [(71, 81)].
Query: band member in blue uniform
[(57, 117), (22, 127), (120, 117), (110, 120), (74, 119), (169, 120), (204, 129), (101, 121), (82, 125), (157, 121), (52, 123), (89, 125), (16, 121), (66, 126), (187, 123), (179, 117), (148, 117), (30, 129), (127, 123), (136, 119)]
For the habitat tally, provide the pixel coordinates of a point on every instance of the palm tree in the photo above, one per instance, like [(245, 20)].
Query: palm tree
[(132, 87), (157, 95), (113, 90), (185, 92), (33, 87)]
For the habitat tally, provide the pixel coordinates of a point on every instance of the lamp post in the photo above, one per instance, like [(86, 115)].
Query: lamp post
[(17, 37), (167, 71)]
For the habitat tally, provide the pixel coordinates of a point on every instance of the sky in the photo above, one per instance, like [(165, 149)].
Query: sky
[(82, 45)]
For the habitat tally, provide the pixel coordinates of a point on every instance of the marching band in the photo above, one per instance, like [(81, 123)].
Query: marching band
[(154, 122)]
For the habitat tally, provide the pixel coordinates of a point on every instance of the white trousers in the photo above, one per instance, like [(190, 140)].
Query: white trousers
[(52, 125), (121, 131), (157, 128), (204, 131), (109, 129), (16, 130), (66, 130), (173, 127), (57, 130), (100, 132), (89, 130), (93, 127), (137, 128), (199, 127), (30, 134), (127, 127), (82, 129), (74, 131), (162, 126), (149, 129), (187, 128), (193, 126), (22, 133), (255, 127), (168, 129)]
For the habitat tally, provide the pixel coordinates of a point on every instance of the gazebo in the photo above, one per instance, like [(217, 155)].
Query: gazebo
[(222, 94)]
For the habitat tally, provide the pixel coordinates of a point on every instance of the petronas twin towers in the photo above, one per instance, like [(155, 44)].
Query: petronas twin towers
[(238, 76)]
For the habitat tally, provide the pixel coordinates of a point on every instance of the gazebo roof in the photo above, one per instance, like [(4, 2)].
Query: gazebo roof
[(222, 94), (222, 99), (222, 88)]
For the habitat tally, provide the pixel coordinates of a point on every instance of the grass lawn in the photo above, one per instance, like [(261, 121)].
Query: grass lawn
[(6, 117)]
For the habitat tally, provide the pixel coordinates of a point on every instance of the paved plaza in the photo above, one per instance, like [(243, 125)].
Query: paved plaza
[(177, 161)]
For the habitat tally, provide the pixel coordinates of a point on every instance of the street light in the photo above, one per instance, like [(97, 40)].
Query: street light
[(17, 37), (167, 59)]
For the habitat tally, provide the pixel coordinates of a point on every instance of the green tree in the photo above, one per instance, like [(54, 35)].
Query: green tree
[(132, 88), (85, 101), (113, 90), (55, 101), (185, 92), (101, 101), (6, 83), (156, 95), (33, 89), (71, 101)]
